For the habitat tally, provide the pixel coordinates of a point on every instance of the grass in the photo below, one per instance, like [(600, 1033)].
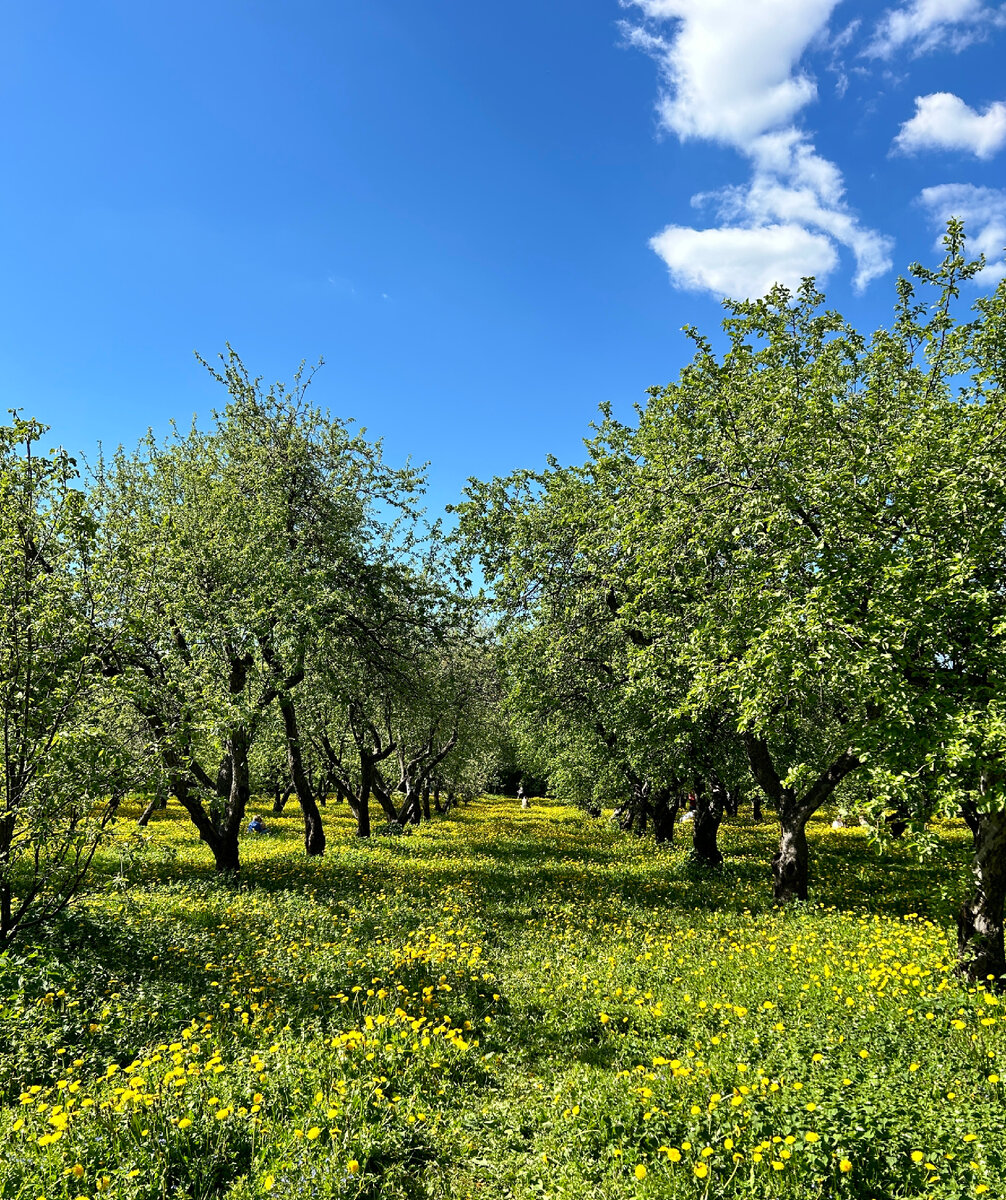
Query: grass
[(502, 1004)]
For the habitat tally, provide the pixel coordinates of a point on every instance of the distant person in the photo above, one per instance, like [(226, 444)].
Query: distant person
[(256, 825), (521, 795)]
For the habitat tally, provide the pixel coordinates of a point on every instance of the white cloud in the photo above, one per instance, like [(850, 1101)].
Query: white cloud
[(943, 121), (743, 263), (730, 74), (983, 211), (925, 25)]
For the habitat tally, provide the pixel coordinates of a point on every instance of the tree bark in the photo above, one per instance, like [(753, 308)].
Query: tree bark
[(148, 812), (362, 809), (314, 831), (665, 805), (640, 807), (791, 861), (279, 798), (980, 951), (706, 826)]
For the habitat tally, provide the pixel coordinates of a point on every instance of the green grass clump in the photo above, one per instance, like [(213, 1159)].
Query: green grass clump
[(504, 1004)]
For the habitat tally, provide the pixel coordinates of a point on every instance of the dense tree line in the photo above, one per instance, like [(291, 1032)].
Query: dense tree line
[(785, 581), (254, 608)]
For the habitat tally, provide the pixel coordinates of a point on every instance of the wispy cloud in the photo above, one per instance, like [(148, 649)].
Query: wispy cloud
[(943, 121), (926, 25), (983, 211)]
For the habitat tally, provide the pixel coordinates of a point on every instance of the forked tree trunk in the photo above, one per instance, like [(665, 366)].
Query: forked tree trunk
[(791, 862), (980, 951), (222, 843), (280, 796)]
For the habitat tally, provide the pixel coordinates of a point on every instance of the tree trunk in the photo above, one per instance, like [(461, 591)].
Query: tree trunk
[(791, 862), (148, 812), (665, 807), (225, 846), (756, 811), (640, 807), (363, 814), (409, 813), (706, 826), (426, 801), (314, 831), (897, 822), (980, 950), (279, 798)]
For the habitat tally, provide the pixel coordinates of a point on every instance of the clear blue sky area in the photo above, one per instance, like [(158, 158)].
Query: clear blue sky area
[(454, 203)]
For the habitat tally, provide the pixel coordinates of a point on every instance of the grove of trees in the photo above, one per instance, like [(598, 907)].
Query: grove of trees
[(783, 584), (255, 608)]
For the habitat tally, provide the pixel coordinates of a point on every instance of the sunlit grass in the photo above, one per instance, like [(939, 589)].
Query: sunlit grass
[(503, 1003)]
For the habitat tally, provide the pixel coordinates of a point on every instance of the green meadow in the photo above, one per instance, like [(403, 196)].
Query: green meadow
[(503, 1003)]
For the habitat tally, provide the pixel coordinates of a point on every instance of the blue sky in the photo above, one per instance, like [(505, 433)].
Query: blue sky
[(487, 221)]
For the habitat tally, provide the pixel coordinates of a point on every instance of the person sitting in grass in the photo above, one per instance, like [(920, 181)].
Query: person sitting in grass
[(256, 825)]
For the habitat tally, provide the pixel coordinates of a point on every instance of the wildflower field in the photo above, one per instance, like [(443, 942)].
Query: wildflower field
[(503, 1003)]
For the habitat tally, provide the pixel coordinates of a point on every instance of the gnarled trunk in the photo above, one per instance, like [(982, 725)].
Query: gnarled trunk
[(706, 825), (980, 949), (791, 861), (222, 842)]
